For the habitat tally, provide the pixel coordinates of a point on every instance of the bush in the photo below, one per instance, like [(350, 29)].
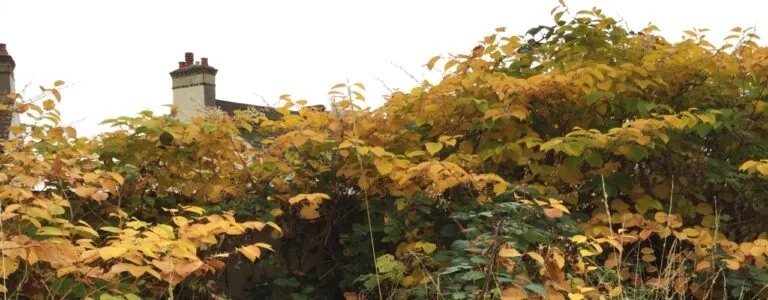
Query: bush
[(579, 160)]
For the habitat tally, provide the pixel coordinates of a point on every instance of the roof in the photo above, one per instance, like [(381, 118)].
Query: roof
[(230, 107)]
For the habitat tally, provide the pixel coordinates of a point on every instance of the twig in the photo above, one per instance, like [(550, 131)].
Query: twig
[(495, 255), (406, 72)]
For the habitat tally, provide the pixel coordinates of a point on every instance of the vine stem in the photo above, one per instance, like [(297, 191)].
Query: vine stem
[(365, 197), (610, 228), (489, 268)]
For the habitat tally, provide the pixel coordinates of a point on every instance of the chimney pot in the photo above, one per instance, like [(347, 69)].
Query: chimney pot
[(189, 58), (182, 64), (204, 61)]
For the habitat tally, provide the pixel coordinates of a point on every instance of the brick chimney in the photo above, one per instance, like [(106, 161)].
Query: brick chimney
[(194, 86), (8, 117)]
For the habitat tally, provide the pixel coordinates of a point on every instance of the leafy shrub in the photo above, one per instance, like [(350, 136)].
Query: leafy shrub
[(579, 160)]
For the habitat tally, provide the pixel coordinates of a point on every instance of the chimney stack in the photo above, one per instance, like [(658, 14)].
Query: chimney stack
[(189, 58), (194, 86), (8, 118)]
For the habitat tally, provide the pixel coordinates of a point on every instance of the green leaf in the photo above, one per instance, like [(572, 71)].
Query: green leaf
[(454, 269), (573, 148), (111, 229), (56, 210), (594, 159), (534, 235), (473, 275), (573, 162), (46, 230), (644, 107), (536, 288), (481, 105), (62, 285), (593, 97), (166, 138), (550, 144), (79, 291), (702, 129), (109, 297), (459, 245), (449, 231), (637, 152)]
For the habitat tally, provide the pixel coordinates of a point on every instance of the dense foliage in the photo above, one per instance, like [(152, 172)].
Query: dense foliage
[(580, 160)]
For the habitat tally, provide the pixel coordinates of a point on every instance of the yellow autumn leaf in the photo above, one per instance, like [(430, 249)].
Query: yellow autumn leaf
[(384, 167), (276, 212), (66, 270), (578, 239), (518, 112), (433, 148), (10, 264), (732, 263), (317, 198), (297, 198), (615, 292), (109, 252), (557, 205), (308, 212), (252, 252), (509, 252), (85, 191), (90, 177), (575, 296), (690, 232), (537, 257), (432, 61), (49, 104), (702, 265), (194, 209), (117, 177), (56, 94)]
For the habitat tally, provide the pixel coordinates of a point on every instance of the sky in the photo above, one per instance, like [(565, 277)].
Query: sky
[(116, 55)]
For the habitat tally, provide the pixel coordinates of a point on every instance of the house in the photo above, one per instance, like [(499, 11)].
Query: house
[(7, 85), (193, 84), (194, 90)]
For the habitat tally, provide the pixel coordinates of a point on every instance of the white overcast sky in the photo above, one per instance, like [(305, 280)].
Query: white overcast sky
[(118, 53)]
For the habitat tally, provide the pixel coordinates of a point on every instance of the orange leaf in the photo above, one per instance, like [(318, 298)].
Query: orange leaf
[(553, 213)]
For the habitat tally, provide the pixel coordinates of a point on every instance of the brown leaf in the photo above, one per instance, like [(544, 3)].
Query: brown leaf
[(100, 196), (184, 269), (57, 252), (553, 213), (513, 293)]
